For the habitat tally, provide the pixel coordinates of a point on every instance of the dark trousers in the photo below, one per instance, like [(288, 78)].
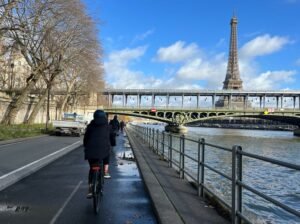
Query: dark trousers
[(96, 162)]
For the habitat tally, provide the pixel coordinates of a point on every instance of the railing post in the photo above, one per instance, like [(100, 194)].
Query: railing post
[(157, 140), (182, 155), (198, 168), (236, 192), (153, 138), (163, 144), (150, 133), (202, 162), (170, 150)]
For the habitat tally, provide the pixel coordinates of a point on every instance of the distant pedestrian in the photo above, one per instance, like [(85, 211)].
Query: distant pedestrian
[(122, 125), (115, 125)]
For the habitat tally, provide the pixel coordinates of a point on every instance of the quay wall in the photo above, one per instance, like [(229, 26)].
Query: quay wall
[(29, 104)]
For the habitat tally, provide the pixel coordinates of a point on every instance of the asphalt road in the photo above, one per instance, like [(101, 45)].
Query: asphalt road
[(19, 154), (56, 193)]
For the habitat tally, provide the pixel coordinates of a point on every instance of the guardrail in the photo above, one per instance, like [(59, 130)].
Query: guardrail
[(162, 143)]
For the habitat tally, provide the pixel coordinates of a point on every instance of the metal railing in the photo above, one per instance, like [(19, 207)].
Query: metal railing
[(163, 144)]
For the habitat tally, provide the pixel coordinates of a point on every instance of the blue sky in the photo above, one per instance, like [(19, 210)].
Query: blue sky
[(184, 43)]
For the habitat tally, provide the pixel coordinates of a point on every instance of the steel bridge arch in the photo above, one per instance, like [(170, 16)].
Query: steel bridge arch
[(188, 117)]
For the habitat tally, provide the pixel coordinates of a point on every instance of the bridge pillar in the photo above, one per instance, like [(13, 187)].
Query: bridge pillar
[(277, 102), (138, 101), (168, 100), (229, 101), (294, 101), (264, 101), (260, 102), (198, 99), (153, 100), (123, 100), (297, 132), (245, 102), (281, 102), (110, 100), (213, 101)]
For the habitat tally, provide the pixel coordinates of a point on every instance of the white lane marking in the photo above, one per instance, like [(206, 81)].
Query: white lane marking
[(53, 220), (45, 157)]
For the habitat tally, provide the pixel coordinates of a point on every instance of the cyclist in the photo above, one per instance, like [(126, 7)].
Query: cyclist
[(97, 143)]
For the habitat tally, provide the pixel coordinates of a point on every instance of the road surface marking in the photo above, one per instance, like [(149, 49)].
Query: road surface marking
[(53, 220), (34, 162)]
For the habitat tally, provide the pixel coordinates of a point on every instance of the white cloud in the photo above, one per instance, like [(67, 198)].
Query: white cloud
[(263, 45), (211, 71), (122, 58), (178, 52), (143, 36), (270, 80), (221, 42), (120, 75)]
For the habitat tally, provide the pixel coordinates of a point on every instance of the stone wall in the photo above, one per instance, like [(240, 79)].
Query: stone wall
[(27, 107)]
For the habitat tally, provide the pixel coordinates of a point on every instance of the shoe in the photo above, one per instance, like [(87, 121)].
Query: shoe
[(107, 176), (89, 195)]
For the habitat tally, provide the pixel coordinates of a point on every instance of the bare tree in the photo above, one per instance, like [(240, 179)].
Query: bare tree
[(53, 36)]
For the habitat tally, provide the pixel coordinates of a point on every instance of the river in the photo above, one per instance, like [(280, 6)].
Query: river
[(280, 183)]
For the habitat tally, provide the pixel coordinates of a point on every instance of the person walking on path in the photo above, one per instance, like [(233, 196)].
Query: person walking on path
[(115, 125), (97, 143), (122, 125)]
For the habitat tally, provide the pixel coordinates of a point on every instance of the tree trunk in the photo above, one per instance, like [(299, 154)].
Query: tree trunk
[(37, 108), (15, 105), (63, 104)]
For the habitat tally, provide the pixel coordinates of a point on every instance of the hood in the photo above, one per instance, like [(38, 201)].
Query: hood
[(98, 121)]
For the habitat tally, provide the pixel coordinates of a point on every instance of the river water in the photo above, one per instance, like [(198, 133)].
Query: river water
[(279, 183)]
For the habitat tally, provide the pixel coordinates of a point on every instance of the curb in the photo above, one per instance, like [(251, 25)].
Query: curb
[(18, 174), (163, 207)]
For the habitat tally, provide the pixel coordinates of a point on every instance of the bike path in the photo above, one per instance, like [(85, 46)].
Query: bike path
[(56, 194)]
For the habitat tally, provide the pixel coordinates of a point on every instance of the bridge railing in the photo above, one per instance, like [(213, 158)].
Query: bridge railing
[(173, 148)]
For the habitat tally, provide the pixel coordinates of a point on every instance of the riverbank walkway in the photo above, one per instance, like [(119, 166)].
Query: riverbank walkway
[(174, 200)]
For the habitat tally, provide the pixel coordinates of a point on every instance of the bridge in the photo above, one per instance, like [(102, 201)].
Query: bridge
[(186, 106), (152, 97)]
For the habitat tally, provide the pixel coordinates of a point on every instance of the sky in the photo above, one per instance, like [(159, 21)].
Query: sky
[(184, 44)]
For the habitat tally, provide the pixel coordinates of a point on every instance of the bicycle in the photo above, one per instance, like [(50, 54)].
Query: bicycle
[(97, 185)]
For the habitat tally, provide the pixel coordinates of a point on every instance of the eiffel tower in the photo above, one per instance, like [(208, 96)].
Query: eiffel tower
[(232, 79)]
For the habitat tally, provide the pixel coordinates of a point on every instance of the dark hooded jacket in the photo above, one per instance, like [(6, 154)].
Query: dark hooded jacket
[(97, 139), (114, 123)]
